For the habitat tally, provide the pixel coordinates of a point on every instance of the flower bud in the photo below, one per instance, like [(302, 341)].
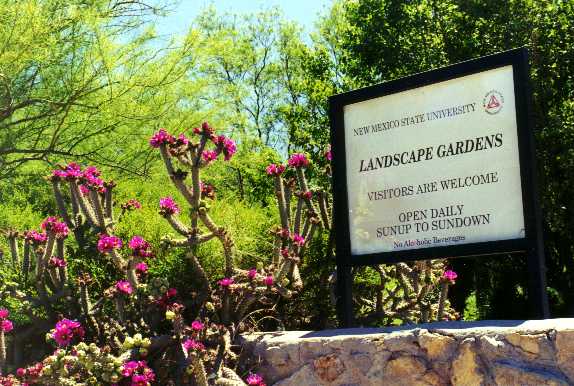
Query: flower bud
[(169, 315)]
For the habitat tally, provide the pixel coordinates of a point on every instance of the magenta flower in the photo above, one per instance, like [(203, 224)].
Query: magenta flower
[(285, 252), (6, 326), (268, 280), (51, 224), (4, 313), (59, 173), (182, 139), (141, 267), (275, 170), (197, 325), (92, 171), (129, 368), (252, 273), (106, 243), (225, 282), (171, 293), (298, 240), (140, 247), (329, 154), (229, 149), (84, 190), (132, 203), (209, 155), (298, 160), (450, 275), (66, 330), (255, 380), (36, 237), (124, 287), (191, 344), (307, 195), (225, 145), (56, 262), (168, 206), (72, 171), (204, 129), (162, 137), (140, 373)]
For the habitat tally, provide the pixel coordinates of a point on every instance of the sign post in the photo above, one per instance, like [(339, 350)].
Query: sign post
[(438, 164)]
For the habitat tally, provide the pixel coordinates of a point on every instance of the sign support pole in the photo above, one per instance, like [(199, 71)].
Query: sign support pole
[(537, 294), (345, 296)]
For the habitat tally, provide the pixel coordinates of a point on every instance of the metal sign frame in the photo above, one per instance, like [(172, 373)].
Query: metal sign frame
[(532, 243)]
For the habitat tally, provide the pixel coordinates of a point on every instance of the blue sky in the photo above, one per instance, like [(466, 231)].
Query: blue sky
[(302, 11)]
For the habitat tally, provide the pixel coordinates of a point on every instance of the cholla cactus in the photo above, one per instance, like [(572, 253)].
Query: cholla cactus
[(239, 289), (410, 292), (5, 327)]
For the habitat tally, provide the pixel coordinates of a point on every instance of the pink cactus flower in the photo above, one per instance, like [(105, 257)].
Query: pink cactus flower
[(255, 380), (298, 240), (140, 247), (56, 262), (275, 170), (132, 203), (168, 206), (284, 233), (4, 313), (252, 273), (124, 287), (298, 160), (182, 139), (6, 325), (225, 282), (285, 252), (209, 156), (329, 154), (197, 325), (204, 129), (36, 237), (84, 190), (229, 149), (307, 195), (171, 293), (268, 280), (66, 330), (450, 275), (141, 267), (192, 344), (52, 224), (138, 372), (106, 243), (59, 173), (162, 137), (73, 171)]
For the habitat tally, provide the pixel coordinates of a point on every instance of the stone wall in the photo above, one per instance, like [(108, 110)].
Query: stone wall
[(536, 352)]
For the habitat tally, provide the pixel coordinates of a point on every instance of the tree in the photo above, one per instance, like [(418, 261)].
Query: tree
[(370, 41), (71, 73)]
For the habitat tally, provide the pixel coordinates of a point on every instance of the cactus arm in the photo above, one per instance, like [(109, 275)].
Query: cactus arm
[(199, 372), (61, 205), (85, 206), (281, 202), (14, 250), (323, 210), (98, 210)]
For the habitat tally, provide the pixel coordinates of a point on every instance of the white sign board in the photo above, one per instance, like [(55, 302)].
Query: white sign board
[(434, 166)]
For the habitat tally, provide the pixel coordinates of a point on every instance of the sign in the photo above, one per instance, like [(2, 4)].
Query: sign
[(434, 165), (426, 166)]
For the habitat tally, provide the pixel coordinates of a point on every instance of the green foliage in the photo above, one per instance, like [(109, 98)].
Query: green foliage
[(360, 43)]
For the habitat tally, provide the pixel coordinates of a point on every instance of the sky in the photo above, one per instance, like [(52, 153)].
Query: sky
[(302, 11)]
